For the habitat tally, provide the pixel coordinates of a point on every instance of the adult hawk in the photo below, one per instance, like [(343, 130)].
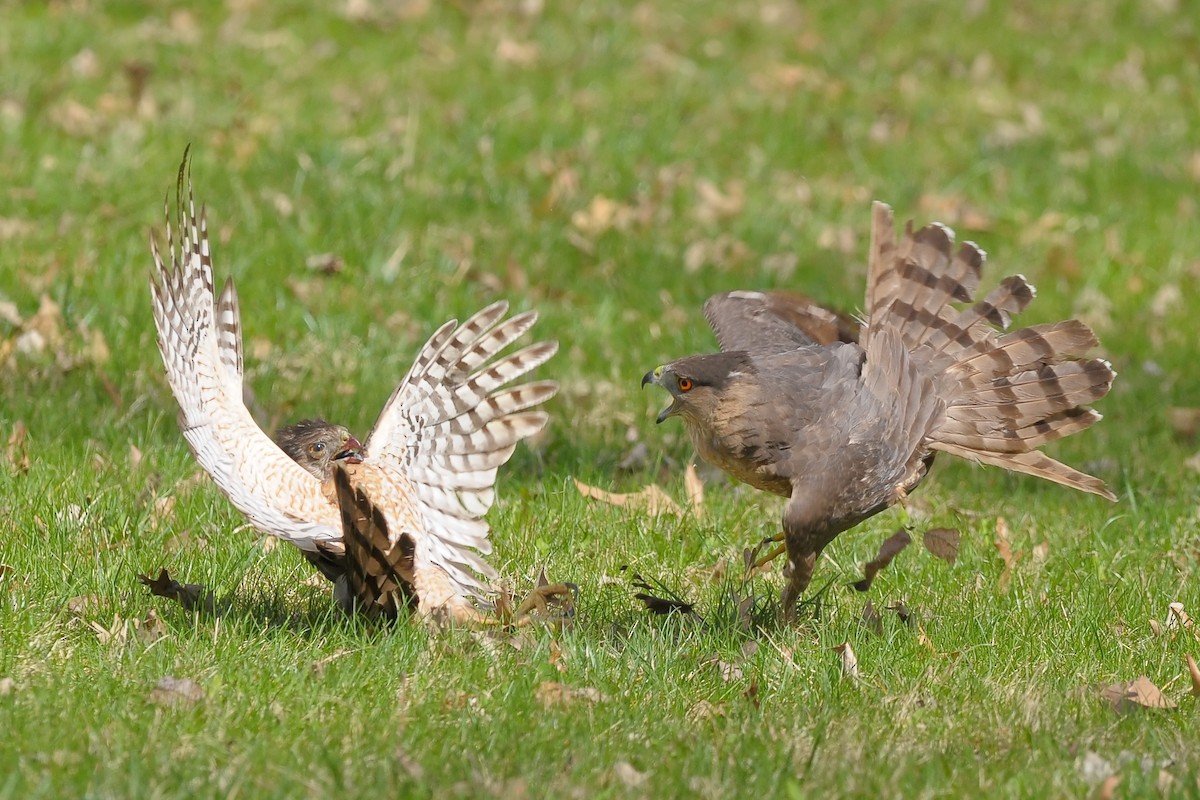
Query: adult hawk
[(845, 430), (396, 522)]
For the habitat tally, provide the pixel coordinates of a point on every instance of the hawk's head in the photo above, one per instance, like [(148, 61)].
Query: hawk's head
[(696, 383), (317, 445)]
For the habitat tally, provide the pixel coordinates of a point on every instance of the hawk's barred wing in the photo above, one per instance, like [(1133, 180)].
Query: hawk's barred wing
[(774, 321), (200, 343), (451, 423)]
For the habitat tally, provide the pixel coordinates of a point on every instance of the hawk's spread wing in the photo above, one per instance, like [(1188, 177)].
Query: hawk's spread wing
[(450, 424), (774, 321), (200, 342)]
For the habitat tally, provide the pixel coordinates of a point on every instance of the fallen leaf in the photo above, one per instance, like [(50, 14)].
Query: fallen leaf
[(170, 691), (16, 451), (551, 694), (135, 456), (849, 660), (704, 710), (729, 671), (628, 775), (663, 605), (522, 54), (891, 547), (695, 490), (1178, 619), (7, 686), (652, 499), (325, 263), (1184, 422), (151, 628), (1004, 548), (1140, 692), (942, 543), (1194, 671), (189, 595), (1107, 790), (871, 619), (714, 204), (320, 664)]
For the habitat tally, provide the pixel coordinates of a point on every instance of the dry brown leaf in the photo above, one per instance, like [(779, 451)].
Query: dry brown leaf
[(872, 619), (16, 451), (891, 547), (521, 54), (652, 499), (1184, 422), (1178, 619), (714, 204), (729, 671), (551, 694), (849, 660), (170, 691), (189, 595), (629, 776), (1194, 671), (325, 263), (135, 456), (1138, 693), (943, 543), (703, 710), (1107, 790), (695, 490), (1004, 548), (151, 628), (7, 686)]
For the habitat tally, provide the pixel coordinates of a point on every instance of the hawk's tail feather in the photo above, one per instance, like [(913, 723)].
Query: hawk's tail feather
[(1005, 394), (378, 572)]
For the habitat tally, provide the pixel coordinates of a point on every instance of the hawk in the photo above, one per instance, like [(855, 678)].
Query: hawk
[(396, 522), (845, 430)]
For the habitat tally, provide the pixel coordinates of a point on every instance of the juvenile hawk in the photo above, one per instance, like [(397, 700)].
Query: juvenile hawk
[(427, 470), (845, 430)]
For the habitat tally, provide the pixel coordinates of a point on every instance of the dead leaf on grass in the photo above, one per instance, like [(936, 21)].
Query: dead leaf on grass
[(7, 686), (188, 595), (1184, 422), (1004, 548), (16, 450), (171, 691), (1108, 789), (942, 543), (551, 694), (1194, 672), (872, 619), (1138, 693), (703, 710), (151, 628), (325, 263), (628, 775), (695, 490), (849, 660), (891, 547), (652, 499)]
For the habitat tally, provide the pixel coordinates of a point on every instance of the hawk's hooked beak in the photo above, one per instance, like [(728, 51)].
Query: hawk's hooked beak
[(351, 452), (655, 376)]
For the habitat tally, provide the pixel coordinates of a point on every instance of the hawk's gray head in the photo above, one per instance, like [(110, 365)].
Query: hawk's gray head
[(317, 445)]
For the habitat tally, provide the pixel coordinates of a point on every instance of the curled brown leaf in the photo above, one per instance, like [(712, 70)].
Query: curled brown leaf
[(891, 547)]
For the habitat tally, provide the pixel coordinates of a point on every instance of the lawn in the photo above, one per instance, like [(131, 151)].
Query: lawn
[(374, 168)]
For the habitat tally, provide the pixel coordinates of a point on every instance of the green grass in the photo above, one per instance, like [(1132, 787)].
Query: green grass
[(451, 154)]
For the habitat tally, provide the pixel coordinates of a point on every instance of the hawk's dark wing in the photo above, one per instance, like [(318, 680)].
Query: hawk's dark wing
[(774, 321)]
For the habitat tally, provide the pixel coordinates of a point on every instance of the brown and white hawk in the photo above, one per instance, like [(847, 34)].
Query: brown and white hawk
[(396, 522), (795, 405)]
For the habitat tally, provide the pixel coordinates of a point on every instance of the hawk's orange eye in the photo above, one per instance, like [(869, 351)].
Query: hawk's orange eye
[(685, 384)]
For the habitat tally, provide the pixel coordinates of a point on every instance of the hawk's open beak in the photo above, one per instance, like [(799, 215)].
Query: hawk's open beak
[(655, 376), (351, 452)]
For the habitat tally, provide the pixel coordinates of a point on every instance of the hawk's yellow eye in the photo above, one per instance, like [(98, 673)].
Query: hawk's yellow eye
[(316, 448), (685, 384)]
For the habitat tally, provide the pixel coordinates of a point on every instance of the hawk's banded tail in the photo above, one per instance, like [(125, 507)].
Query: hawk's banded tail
[(1006, 394)]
